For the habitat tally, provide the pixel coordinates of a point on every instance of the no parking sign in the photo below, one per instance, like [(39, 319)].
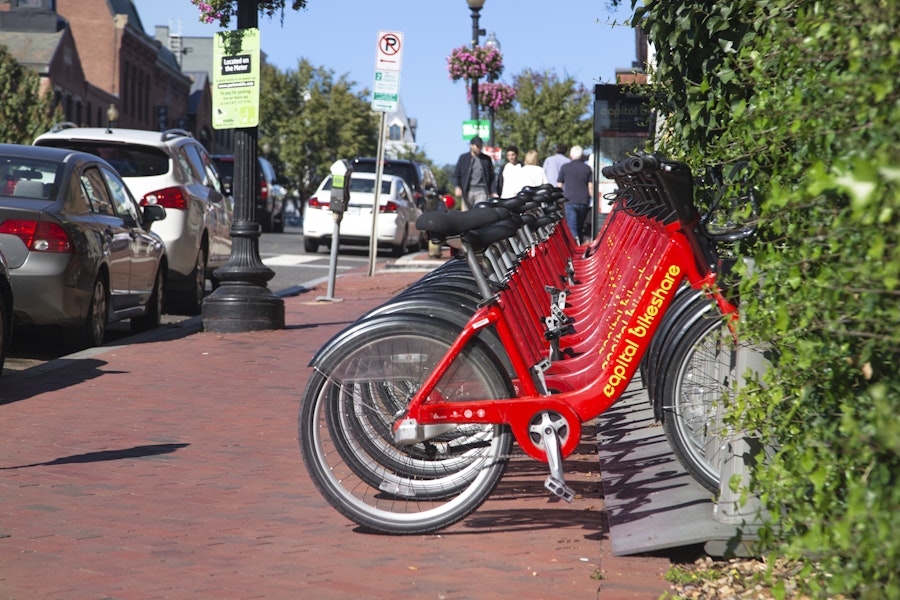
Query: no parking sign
[(388, 61)]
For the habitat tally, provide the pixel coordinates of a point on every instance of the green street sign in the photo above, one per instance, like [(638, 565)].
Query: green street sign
[(472, 128), (235, 90)]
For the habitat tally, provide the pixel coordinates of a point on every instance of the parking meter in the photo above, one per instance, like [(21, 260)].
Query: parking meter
[(340, 188)]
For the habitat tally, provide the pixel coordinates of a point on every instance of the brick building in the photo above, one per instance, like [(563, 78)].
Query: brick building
[(95, 53)]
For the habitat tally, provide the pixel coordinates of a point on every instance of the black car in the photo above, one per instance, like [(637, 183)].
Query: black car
[(270, 195), (417, 174)]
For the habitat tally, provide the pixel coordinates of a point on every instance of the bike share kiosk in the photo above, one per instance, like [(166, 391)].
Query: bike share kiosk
[(340, 197)]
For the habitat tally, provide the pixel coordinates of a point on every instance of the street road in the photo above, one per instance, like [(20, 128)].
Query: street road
[(281, 252)]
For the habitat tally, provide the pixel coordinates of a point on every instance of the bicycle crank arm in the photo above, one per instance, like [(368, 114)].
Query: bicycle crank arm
[(556, 481)]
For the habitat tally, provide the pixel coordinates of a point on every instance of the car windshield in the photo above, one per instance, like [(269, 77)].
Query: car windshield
[(404, 170), (362, 185), (130, 160), (225, 167), (29, 178)]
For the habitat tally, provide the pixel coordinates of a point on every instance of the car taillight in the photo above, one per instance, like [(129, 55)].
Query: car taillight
[(263, 190), (39, 236), (171, 197), (390, 207), (315, 203)]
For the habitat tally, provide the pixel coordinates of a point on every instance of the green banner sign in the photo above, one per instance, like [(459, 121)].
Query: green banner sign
[(472, 128)]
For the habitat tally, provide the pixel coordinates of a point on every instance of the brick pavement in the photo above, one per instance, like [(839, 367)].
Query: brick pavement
[(170, 469)]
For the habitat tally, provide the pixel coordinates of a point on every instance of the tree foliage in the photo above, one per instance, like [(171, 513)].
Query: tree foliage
[(311, 118), (547, 111), (24, 112), (807, 92)]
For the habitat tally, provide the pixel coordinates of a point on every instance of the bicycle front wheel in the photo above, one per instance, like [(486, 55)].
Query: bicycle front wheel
[(351, 402)]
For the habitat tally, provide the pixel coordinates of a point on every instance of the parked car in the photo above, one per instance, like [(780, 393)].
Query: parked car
[(417, 174), (270, 197), (6, 306), (79, 247), (173, 170), (396, 221)]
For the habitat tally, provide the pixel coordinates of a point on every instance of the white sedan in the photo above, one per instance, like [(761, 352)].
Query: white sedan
[(396, 222)]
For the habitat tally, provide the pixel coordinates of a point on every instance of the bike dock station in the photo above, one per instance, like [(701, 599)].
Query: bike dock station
[(409, 420)]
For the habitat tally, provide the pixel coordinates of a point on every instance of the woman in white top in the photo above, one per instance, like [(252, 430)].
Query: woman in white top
[(531, 173)]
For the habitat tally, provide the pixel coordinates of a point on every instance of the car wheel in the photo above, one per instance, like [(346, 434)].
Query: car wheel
[(92, 331), (153, 317), (4, 332), (278, 223), (188, 301), (398, 250), (310, 245), (194, 299), (266, 221)]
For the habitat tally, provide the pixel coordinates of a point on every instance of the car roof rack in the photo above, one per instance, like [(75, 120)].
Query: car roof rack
[(62, 125), (169, 134)]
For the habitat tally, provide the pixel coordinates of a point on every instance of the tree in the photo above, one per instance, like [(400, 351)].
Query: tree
[(25, 112), (547, 111), (310, 118)]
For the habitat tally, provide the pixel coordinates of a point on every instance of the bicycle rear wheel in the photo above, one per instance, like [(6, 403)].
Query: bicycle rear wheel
[(350, 403), (699, 377)]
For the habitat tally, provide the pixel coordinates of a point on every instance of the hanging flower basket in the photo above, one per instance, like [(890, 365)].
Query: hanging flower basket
[(494, 95), (474, 63), (222, 11)]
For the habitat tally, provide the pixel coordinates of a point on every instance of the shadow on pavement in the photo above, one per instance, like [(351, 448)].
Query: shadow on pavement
[(103, 455)]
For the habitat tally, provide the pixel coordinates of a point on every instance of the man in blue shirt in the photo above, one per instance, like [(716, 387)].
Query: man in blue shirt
[(552, 164)]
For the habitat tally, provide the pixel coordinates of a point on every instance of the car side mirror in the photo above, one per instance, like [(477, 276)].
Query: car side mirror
[(153, 212)]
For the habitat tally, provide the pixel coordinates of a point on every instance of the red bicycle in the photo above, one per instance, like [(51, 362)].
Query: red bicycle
[(409, 418)]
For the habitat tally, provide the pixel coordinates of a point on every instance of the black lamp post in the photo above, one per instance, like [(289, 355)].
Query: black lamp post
[(492, 42), (475, 7), (243, 302)]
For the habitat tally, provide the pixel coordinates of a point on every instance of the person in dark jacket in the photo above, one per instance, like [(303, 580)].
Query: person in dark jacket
[(577, 183), (473, 177)]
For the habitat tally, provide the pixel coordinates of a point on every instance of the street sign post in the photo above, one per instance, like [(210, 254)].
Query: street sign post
[(388, 62), (385, 99)]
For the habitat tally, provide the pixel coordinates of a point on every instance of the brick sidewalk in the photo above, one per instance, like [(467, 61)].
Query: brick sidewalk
[(171, 469)]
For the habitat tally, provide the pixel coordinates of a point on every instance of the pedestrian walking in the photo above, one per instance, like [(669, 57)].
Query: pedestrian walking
[(576, 180), (552, 164), (507, 181), (473, 177), (532, 174)]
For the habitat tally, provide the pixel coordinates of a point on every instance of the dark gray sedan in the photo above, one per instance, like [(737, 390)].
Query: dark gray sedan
[(79, 248)]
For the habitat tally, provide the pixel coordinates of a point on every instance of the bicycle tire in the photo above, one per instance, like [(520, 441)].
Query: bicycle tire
[(354, 463), (700, 375)]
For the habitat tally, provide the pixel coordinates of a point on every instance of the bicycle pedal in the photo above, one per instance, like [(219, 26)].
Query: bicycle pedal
[(559, 488)]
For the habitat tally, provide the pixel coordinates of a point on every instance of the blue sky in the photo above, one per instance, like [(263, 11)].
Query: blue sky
[(570, 37)]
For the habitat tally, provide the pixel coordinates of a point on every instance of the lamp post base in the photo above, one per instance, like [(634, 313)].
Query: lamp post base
[(241, 307), (243, 302)]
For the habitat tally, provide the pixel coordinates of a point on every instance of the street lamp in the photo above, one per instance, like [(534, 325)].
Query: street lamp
[(475, 7), (492, 42), (112, 115), (243, 302)]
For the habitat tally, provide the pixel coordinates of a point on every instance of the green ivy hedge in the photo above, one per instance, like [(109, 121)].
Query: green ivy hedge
[(807, 93)]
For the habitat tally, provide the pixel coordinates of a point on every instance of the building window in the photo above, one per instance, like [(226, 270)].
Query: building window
[(395, 133)]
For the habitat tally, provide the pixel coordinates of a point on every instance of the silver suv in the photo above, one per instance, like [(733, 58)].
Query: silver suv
[(171, 169)]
